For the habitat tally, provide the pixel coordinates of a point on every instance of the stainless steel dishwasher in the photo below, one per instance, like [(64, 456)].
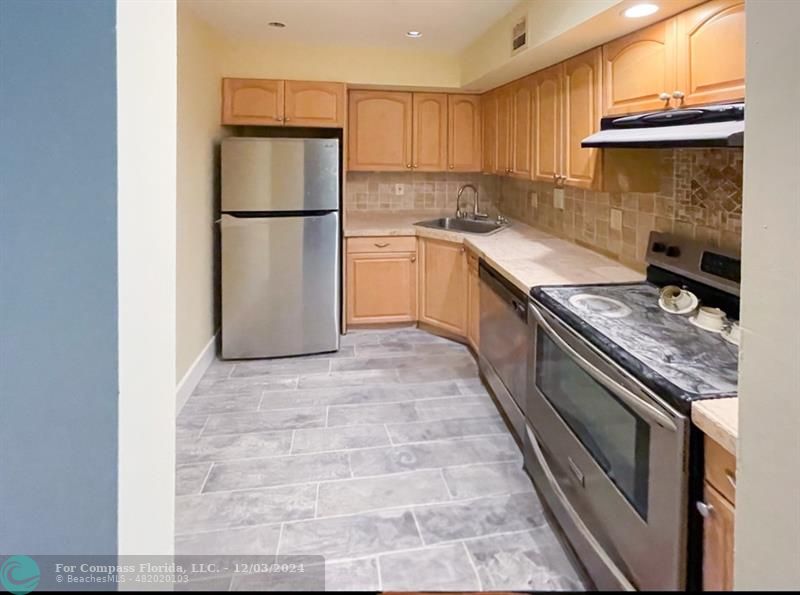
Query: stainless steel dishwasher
[(503, 357)]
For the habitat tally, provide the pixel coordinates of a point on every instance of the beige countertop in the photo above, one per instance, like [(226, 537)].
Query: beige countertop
[(719, 420), (525, 256)]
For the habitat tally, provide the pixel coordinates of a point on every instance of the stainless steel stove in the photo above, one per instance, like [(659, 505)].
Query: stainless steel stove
[(608, 441)]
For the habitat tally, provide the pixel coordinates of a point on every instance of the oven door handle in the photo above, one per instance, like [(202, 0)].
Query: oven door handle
[(578, 523), (644, 408)]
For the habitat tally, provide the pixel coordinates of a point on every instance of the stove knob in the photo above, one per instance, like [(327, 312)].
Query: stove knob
[(659, 247), (673, 251)]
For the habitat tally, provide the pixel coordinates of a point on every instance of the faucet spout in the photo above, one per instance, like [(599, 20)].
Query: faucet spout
[(475, 210)]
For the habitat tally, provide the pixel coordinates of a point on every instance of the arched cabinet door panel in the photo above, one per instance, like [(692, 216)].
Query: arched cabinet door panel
[(711, 48), (379, 131), (252, 101), (464, 133), (317, 104)]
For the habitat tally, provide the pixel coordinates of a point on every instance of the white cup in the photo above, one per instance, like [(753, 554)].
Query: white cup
[(710, 318), (676, 298)]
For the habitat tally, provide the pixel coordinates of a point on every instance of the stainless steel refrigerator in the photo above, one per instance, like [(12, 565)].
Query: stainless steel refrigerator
[(280, 246)]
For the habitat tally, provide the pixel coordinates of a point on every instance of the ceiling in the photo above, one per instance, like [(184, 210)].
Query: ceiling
[(447, 25)]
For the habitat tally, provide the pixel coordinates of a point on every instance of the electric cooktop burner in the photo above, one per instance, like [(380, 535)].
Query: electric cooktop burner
[(600, 304)]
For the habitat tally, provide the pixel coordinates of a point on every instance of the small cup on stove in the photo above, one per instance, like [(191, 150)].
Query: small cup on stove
[(712, 319)]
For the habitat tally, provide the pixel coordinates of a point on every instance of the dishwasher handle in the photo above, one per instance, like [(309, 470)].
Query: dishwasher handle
[(507, 292)]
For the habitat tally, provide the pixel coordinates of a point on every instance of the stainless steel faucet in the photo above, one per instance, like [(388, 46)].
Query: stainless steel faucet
[(476, 214)]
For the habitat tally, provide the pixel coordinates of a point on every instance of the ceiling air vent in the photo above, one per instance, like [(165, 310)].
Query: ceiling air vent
[(519, 36)]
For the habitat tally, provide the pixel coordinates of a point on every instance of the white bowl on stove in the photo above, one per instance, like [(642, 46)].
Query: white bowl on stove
[(709, 319)]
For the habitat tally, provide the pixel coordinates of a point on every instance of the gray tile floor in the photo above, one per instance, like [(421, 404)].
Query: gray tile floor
[(388, 458)]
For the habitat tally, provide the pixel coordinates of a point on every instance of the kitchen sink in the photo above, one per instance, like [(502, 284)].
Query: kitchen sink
[(480, 226)]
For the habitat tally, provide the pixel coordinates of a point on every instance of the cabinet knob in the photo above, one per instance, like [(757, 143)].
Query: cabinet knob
[(463, 249), (678, 94), (704, 509), (451, 166), (408, 165), (286, 119), (415, 166), (413, 259), (665, 96)]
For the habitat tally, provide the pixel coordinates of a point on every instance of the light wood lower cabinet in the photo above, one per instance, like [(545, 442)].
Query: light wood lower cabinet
[(718, 509), (473, 302), (443, 285), (381, 280)]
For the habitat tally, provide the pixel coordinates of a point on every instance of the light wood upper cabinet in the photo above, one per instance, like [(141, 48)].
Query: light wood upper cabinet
[(381, 280), (473, 301), (638, 68), (711, 47), (443, 285), (521, 127), (718, 528), (318, 104), (380, 130), (489, 117), (547, 102), (464, 133), (582, 113), (252, 101), (503, 138), (429, 132)]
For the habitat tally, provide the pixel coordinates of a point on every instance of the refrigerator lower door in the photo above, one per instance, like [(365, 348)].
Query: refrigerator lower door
[(280, 285)]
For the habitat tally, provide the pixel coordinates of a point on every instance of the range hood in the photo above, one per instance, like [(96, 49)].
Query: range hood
[(708, 126)]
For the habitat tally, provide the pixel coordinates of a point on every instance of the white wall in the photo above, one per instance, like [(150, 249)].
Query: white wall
[(146, 107), (767, 553), (199, 97)]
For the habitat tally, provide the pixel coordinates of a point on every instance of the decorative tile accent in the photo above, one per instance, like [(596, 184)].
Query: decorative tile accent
[(702, 199)]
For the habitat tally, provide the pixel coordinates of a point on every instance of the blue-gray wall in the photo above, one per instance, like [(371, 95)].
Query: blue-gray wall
[(58, 277)]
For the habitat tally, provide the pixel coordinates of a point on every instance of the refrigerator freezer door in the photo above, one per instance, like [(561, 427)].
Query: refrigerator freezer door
[(280, 174), (280, 285)]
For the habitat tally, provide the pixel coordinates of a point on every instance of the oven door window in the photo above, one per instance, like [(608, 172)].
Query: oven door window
[(617, 438)]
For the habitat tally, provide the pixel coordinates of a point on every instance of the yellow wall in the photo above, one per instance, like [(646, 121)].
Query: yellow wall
[(360, 66), (199, 131)]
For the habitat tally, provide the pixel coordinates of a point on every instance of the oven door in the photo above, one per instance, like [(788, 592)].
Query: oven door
[(608, 456)]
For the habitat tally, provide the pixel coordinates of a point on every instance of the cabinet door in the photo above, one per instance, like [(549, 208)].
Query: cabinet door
[(489, 117), (582, 107), (379, 131), (443, 285), (521, 121), (309, 103), (547, 124), (252, 101), (430, 132), (381, 288), (464, 133), (503, 163), (639, 67), (473, 302), (717, 542), (711, 46)]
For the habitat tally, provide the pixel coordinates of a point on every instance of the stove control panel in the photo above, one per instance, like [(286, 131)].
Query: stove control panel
[(713, 266)]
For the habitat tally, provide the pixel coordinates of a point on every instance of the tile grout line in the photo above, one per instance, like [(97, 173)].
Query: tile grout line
[(205, 480), (291, 443), (389, 434), (446, 485), (316, 501), (419, 529), (474, 568), (280, 537)]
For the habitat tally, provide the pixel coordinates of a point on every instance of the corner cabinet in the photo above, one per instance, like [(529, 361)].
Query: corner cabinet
[(264, 102), (443, 285), (379, 131), (381, 280), (464, 133), (429, 144)]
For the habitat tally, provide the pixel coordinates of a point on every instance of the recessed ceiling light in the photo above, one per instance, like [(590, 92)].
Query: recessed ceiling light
[(276, 24), (640, 10), (414, 34)]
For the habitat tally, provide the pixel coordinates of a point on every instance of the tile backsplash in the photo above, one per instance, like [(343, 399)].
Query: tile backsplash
[(695, 193), (421, 191), (698, 195)]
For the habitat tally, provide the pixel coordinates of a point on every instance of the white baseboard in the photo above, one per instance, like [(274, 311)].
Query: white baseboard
[(195, 372)]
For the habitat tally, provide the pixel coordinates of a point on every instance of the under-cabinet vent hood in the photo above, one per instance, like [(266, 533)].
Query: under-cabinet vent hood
[(708, 126)]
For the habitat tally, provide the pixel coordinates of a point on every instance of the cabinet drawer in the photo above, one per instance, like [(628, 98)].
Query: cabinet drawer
[(382, 244), (721, 469)]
